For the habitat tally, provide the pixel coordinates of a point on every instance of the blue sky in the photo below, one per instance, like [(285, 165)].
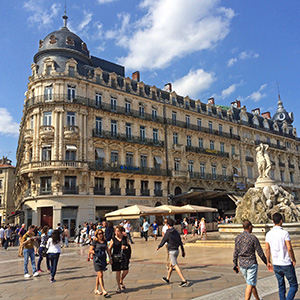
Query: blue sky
[(226, 49)]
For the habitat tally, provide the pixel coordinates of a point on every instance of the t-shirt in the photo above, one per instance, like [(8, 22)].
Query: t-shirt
[(164, 229), (98, 246), (53, 248), (127, 227), (145, 226), (276, 239), (8, 233), (154, 226), (27, 237)]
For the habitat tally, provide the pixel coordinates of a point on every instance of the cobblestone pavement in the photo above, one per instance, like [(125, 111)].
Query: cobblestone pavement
[(207, 269)]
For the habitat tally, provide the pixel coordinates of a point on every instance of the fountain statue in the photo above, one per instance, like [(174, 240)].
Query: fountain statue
[(266, 198)]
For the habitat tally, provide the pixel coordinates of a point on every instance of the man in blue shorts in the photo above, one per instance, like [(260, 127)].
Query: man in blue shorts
[(245, 246)]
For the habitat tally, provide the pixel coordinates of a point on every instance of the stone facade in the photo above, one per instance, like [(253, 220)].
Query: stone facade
[(7, 181), (92, 140)]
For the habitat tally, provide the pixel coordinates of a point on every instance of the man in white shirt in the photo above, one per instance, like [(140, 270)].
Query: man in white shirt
[(278, 244), (145, 228), (127, 228), (1, 236)]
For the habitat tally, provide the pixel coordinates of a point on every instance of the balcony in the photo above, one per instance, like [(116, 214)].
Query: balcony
[(99, 191), (145, 192), (70, 190), (28, 135), (178, 147), (281, 164), (46, 132), (27, 193), (249, 158), (180, 174), (158, 193), (129, 139), (207, 151), (115, 191), (45, 191), (276, 146), (114, 167), (71, 131), (291, 166), (130, 192), (53, 164), (210, 176)]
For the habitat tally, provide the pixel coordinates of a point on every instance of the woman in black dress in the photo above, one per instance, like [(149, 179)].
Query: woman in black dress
[(99, 249), (121, 253)]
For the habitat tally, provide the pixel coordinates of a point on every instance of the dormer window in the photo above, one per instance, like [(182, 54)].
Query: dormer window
[(84, 47), (52, 39), (41, 43), (70, 41), (244, 118), (255, 122)]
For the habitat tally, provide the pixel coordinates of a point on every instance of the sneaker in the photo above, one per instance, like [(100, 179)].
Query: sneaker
[(164, 279), (40, 271), (52, 280), (27, 275), (36, 274), (183, 283)]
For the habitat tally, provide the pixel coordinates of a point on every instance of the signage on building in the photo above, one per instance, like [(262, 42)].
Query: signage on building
[(133, 201), (129, 168), (240, 185)]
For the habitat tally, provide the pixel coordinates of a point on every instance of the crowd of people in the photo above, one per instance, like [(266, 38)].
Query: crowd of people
[(109, 245)]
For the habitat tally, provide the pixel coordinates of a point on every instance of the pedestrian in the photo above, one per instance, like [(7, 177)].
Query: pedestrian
[(128, 228), (54, 250), (184, 226), (245, 246), (155, 229), (92, 233), (43, 249), (66, 235), (1, 236), (172, 237), (21, 232), (164, 230), (28, 252), (99, 251), (7, 236), (145, 228), (120, 252), (203, 227), (278, 245)]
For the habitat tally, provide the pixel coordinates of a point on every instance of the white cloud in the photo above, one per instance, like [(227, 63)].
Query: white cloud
[(41, 17), (227, 92), (248, 54), (86, 20), (7, 124), (171, 29), (258, 95), (193, 83), (105, 1)]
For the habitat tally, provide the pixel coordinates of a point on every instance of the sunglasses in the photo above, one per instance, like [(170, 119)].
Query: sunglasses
[(100, 233)]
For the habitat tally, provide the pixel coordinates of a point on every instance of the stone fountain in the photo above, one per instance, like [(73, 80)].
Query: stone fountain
[(261, 202)]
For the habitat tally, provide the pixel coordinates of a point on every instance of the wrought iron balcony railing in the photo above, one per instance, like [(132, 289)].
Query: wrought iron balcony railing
[(115, 191), (158, 193), (207, 151), (145, 192), (130, 192), (99, 191), (72, 190)]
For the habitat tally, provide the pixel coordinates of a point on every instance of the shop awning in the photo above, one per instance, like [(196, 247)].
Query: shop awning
[(158, 159), (100, 152)]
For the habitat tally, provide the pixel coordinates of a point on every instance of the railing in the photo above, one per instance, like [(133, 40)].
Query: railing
[(113, 167), (45, 191), (130, 192), (291, 166), (249, 158), (281, 164), (54, 163), (72, 128), (72, 190), (145, 192), (127, 138), (115, 191), (207, 151), (210, 176), (99, 191), (46, 128), (158, 193), (27, 193)]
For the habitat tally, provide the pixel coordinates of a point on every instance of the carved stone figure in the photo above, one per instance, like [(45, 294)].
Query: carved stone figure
[(259, 204), (261, 161)]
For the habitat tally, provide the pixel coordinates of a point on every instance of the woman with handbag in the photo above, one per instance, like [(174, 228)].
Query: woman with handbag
[(43, 249), (98, 250), (53, 252), (120, 256)]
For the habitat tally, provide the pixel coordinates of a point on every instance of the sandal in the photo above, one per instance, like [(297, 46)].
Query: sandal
[(106, 295), (118, 290), (123, 287), (97, 292)]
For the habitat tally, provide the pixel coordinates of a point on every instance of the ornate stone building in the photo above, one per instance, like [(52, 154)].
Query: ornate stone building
[(7, 182), (92, 140)]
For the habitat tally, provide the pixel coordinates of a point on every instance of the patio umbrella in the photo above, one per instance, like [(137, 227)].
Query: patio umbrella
[(196, 208), (172, 209), (134, 212)]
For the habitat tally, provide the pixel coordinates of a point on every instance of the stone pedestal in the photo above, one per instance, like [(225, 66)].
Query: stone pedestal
[(230, 231), (262, 182)]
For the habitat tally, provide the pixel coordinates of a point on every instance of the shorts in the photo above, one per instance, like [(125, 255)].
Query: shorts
[(173, 254), (250, 274), (185, 231), (155, 232)]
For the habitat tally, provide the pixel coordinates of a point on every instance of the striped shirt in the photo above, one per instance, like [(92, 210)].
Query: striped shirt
[(245, 246)]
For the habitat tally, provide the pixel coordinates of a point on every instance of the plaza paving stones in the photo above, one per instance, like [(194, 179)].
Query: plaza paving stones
[(207, 269)]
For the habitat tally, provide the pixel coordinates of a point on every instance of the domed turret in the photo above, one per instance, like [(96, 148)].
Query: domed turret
[(282, 115)]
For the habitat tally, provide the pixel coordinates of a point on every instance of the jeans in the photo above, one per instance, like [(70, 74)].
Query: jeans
[(66, 241), (29, 253), (289, 273), (129, 237), (145, 234), (53, 257), (41, 258), (6, 243)]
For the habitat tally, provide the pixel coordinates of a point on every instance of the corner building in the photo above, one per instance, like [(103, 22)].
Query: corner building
[(92, 140)]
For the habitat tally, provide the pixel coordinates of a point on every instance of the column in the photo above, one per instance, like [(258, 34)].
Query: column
[(61, 137), (56, 136)]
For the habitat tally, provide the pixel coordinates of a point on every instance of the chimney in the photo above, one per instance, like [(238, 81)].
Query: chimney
[(255, 111), (211, 101), (136, 76), (236, 103), (266, 115), (168, 87)]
